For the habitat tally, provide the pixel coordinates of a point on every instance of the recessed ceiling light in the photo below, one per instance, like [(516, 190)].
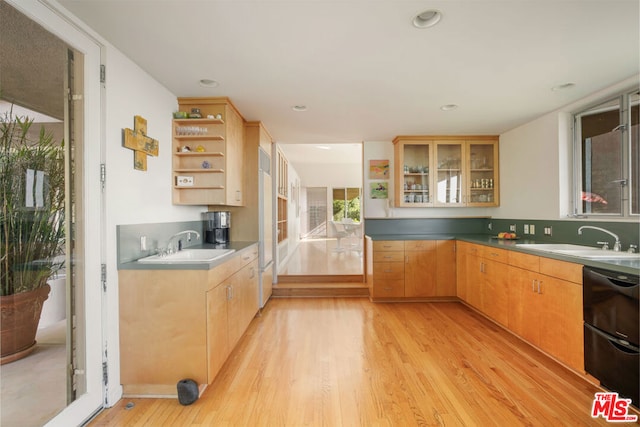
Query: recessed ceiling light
[(299, 108), (209, 83), (563, 86), (427, 19), (323, 147), (448, 107)]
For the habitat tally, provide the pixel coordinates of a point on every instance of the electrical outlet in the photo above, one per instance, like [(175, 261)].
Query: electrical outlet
[(512, 227), (548, 231), (532, 229), (526, 229)]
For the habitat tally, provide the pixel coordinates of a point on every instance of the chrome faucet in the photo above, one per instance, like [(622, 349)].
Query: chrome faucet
[(616, 246), (179, 248)]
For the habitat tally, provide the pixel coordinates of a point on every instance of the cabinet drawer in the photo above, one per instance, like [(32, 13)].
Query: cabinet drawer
[(470, 248), (388, 245), (561, 269), (388, 271), (388, 289), (386, 256), (419, 245), (494, 254), (524, 261)]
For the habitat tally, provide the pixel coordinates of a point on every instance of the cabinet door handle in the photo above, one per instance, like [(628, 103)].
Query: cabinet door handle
[(533, 285), (253, 273), (387, 257), (539, 283), (388, 288), (386, 246), (388, 271)]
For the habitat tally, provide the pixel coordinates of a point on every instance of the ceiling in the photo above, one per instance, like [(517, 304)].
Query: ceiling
[(364, 72)]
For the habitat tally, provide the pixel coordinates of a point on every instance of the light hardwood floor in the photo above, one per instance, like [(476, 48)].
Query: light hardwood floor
[(350, 362)]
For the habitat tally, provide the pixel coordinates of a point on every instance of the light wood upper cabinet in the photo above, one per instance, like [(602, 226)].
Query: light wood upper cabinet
[(446, 171), (207, 154), (413, 159)]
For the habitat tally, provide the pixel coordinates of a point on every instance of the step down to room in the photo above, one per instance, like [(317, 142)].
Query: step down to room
[(320, 289)]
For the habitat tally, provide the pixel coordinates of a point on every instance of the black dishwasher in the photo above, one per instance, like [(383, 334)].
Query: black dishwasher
[(611, 330)]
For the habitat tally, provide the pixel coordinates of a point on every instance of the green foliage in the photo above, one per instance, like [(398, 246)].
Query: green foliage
[(350, 209), (30, 236)]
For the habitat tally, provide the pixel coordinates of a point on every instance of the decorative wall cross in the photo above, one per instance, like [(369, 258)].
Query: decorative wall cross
[(140, 143)]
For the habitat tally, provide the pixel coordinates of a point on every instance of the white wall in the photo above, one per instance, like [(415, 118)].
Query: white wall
[(536, 162), (132, 196)]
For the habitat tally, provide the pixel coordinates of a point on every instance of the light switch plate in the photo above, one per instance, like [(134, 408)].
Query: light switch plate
[(184, 181)]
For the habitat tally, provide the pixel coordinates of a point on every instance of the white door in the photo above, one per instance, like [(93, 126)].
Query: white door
[(89, 299)]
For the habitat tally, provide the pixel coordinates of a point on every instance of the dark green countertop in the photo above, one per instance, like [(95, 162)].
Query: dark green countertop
[(622, 266)]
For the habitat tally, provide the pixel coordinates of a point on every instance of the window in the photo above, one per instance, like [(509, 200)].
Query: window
[(346, 204), (607, 150)]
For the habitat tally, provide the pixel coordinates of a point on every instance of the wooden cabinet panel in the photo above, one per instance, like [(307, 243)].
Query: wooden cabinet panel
[(475, 280), (446, 268), (388, 245), (524, 305), (561, 269), (217, 329), (389, 288), (524, 261), (495, 297), (243, 300), (561, 320), (388, 256), (420, 273), (461, 270), (495, 254)]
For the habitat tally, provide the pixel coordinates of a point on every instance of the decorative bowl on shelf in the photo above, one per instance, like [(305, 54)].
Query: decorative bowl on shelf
[(180, 115)]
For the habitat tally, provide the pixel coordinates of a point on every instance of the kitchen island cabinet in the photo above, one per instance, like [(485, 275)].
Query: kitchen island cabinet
[(177, 324)]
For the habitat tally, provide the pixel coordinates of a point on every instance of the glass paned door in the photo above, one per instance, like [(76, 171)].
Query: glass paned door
[(482, 182), (416, 183), (449, 159)]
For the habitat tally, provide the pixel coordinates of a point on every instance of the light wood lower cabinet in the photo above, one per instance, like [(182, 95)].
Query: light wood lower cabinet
[(177, 324), (547, 310), (537, 298), (230, 308), (411, 269)]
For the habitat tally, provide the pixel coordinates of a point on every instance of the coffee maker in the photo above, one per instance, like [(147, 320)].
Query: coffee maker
[(217, 226)]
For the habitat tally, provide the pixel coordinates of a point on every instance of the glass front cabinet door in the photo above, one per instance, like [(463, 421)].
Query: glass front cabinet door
[(413, 183), (449, 173), (482, 180)]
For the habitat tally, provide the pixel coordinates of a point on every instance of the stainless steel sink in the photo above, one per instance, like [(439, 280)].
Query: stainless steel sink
[(580, 251), (187, 256)]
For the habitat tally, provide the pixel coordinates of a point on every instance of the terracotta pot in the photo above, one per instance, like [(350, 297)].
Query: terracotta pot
[(19, 323)]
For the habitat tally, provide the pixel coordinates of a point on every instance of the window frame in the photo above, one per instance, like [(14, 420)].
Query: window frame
[(624, 105)]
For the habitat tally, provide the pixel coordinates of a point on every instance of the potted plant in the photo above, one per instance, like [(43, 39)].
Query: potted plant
[(32, 194)]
